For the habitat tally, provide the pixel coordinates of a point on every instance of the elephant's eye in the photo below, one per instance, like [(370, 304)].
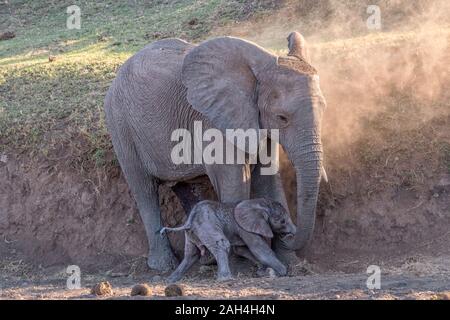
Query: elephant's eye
[(274, 95), (282, 119)]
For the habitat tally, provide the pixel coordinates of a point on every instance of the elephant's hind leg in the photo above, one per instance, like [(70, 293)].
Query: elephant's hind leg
[(219, 246), (145, 191), (191, 255), (190, 193)]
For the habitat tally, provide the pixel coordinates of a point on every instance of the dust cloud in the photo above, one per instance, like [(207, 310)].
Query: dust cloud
[(365, 72)]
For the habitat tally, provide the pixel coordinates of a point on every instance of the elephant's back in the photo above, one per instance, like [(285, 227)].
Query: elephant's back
[(148, 99), (163, 58), (170, 44), (150, 75)]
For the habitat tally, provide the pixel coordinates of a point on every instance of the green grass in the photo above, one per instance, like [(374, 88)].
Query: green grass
[(54, 110), (121, 25), (64, 96), (45, 105)]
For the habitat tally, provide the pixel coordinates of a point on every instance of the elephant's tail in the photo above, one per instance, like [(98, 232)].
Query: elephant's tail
[(167, 229), (186, 226)]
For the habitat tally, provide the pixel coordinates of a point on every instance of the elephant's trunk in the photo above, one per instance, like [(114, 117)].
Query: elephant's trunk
[(307, 161)]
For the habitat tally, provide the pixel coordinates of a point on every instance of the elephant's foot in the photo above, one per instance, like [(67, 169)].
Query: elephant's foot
[(174, 278), (266, 273), (287, 257), (224, 277), (162, 262), (161, 258)]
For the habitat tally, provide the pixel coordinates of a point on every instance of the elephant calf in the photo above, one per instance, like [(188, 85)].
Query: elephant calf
[(246, 227)]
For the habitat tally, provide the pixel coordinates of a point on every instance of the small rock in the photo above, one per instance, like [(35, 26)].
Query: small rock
[(7, 35), (174, 290), (102, 37), (4, 158), (193, 22), (141, 290), (152, 35), (271, 273), (87, 198), (103, 288)]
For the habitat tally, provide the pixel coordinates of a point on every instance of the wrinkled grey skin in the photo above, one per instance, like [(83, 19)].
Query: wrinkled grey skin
[(246, 228), (225, 83)]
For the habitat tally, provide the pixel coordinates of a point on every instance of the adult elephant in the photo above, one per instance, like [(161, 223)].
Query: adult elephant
[(227, 83)]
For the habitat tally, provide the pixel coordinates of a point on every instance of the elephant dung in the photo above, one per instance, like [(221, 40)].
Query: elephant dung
[(103, 288), (174, 290), (141, 290)]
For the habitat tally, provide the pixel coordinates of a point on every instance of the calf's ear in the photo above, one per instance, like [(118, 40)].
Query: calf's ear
[(253, 218)]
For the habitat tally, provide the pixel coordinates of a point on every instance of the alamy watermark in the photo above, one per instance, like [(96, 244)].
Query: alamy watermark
[(374, 280), (74, 279), (373, 22), (74, 19), (238, 146)]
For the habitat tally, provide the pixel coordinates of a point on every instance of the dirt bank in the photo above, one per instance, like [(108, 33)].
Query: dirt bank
[(52, 216), (387, 153)]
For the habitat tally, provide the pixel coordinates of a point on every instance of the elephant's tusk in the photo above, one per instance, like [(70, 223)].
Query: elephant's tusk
[(324, 174)]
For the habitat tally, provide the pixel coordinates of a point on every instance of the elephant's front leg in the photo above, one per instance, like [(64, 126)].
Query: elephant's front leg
[(270, 186), (267, 186), (263, 253), (245, 253), (230, 181)]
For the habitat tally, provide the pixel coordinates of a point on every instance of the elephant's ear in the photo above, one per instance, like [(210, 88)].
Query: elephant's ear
[(252, 217), (297, 46), (298, 57), (221, 76)]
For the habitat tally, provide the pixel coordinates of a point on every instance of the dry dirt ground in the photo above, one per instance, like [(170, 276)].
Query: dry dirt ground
[(415, 278)]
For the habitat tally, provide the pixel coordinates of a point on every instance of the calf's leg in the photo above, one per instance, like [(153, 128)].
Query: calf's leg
[(191, 255)]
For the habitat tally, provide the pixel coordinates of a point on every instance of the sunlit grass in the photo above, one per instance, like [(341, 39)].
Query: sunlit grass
[(45, 104)]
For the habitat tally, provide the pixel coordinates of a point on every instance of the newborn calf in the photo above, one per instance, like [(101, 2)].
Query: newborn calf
[(246, 227)]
